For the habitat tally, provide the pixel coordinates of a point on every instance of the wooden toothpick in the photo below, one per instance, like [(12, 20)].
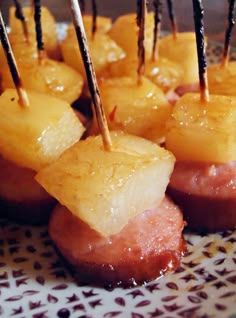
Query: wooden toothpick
[(20, 15), (94, 20), (141, 18), (38, 30), (228, 32), (172, 18), (91, 77), (202, 63), (82, 6), (23, 97), (157, 4)]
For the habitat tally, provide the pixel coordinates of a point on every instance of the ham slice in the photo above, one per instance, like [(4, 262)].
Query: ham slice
[(207, 194), (147, 247)]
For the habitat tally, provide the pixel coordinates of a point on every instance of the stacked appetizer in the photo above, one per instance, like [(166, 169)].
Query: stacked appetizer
[(112, 191), (34, 130), (200, 133)]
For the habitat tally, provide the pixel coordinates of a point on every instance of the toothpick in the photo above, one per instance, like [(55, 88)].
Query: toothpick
[(94, 21), (91, 77), (82, 6), (20, 15), (23, 97), (202, 64), (38, 30), (228, 32), (141, 17), (157, 4), (172, 18)]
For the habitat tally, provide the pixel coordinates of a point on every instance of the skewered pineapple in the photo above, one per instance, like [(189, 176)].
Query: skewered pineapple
[(119, 183), (138, 109), (36, 135), (203, 131)]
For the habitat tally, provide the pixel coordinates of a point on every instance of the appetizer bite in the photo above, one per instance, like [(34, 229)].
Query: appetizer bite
[(180, 48), (49, 29), (201, 135), (164, 73), (103, 49), (40, 73), (222, 76), (111, 201), (112, 191), (142, 108), (34, 130)]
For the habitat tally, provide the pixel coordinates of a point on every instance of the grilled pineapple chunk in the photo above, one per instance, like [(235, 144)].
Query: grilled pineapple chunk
[(124, 32), (164, 73), (203, 131), (102, 48), (222, 80), (108, 188), (182, 51), (48, 26), (140, 110), (33, 137), (49, 77)]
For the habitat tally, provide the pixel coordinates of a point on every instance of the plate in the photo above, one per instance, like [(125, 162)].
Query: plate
[(35, 283)]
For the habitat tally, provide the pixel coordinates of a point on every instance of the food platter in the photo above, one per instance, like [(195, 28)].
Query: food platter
[(34, 282)]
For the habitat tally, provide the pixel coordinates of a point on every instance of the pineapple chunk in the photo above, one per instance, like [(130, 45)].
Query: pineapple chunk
[(140, 110), (125, 32), (222, 80), (48, 25), (164, 73), (107, 189), (35, 136), (49, 77), (203, 131), (183, 51), (102, 48)]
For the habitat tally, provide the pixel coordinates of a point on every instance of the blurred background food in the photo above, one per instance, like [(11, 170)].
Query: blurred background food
[(215, 13)]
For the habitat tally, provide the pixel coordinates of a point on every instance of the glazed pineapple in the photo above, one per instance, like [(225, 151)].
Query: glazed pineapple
[(222, 79), (49, 29), (138, 109), (165, 74), (47, 77), (119, 183), (34, 136), (209, 125), (125, 32), (102, 48), (182, 51)]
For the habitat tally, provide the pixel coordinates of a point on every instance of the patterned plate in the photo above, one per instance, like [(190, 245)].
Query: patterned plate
[(34, 282)]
